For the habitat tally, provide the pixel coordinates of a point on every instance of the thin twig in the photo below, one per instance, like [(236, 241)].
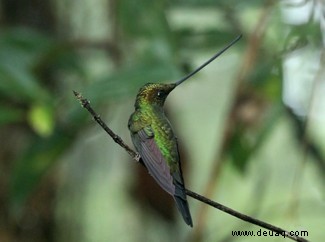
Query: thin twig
[(86, 104), (136, 156), (244, 217)]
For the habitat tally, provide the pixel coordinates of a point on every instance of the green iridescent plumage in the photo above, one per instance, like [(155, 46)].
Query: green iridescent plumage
[(149, 115), (154, 139)]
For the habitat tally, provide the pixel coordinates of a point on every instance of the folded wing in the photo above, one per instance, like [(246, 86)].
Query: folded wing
[(154, 160)]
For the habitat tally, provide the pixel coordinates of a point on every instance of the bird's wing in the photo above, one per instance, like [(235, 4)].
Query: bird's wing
[(180, 194), (153, 159), (171, 182)]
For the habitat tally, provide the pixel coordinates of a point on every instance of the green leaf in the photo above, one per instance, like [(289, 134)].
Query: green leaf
[(18, 84), (41, 119), (19, 52)]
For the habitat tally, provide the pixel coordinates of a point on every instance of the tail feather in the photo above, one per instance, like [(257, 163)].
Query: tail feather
[(183, 208), (182, 204), (180, 197)]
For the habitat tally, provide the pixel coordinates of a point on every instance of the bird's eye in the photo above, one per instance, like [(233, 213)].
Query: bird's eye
[(160, 93)]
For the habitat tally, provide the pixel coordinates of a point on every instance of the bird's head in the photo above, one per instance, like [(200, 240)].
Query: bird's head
[(153, 94)]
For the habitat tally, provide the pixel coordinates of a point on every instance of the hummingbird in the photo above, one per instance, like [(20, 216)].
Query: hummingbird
[(155, 141)]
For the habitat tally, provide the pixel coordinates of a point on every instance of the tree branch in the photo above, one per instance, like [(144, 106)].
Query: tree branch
[(136, 156)]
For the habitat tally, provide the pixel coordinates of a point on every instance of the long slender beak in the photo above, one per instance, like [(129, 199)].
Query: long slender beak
[(208, 61)]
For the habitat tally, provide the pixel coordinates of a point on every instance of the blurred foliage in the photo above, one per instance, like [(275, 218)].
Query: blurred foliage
[(28, 61), (40, 121)]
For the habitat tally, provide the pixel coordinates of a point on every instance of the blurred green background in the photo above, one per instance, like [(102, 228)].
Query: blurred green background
[(250, 125)]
